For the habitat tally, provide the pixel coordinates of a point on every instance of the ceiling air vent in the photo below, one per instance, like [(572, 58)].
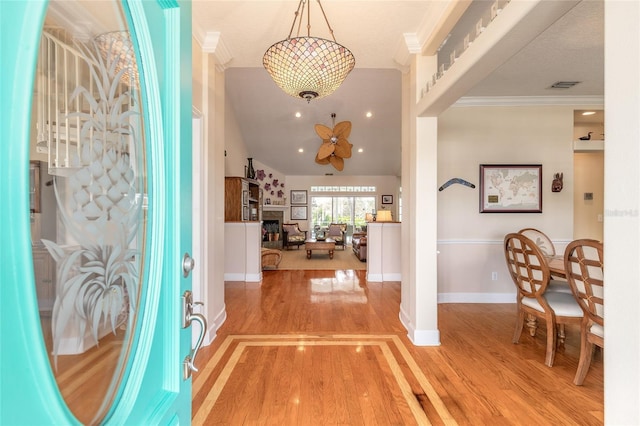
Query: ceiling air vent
[(564, 84)]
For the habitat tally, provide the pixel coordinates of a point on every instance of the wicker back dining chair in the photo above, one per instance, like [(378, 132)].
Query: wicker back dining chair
[(548, 249), (530, 274), (585, 272)]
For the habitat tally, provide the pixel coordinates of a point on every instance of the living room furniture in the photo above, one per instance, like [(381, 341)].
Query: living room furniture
[(270, 258), (242, 200), (584, 267), (292, 235), (359, 245), (327, 244), (338, 233), (531, 277)]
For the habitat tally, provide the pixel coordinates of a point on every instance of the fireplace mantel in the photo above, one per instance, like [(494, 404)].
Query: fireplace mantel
[(274, 207)]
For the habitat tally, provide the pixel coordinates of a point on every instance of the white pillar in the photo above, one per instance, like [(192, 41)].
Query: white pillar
[(622, 217), (419, 304)]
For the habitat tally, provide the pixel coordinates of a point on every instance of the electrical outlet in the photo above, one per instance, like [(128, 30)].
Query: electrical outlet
[(494, 276)]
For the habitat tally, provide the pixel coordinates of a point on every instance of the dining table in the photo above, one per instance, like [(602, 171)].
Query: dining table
[(556, 266)]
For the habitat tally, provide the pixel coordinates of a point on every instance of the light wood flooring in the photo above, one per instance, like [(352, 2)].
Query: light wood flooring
[(327, 348)]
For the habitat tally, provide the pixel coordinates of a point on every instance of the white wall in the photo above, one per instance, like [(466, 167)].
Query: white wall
[(469, 242), (589, 177), (235, 148)]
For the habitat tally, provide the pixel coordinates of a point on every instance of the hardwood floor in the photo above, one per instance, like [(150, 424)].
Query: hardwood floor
[(326, 347)]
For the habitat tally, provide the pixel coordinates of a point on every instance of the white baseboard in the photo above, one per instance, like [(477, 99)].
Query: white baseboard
[(397, 276), (477, 297), (253, 278), (214, 325), (378, 278), (419, 337)]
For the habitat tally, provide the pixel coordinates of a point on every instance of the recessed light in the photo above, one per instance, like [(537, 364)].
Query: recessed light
[(360, 150), (300, 150), (298, 115), (588, 113), (369, 114)]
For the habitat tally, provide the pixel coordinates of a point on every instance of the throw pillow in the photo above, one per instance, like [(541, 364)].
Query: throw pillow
[(335, 230), (292, 230)]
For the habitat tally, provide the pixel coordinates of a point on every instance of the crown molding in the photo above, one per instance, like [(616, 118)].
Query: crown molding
[(474, 101), (214, 44), (404, 51)]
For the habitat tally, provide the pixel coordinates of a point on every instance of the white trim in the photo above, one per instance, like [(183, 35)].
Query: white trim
[(419, 337), (393, 276), (253, 278), (214, 325), (477, 297), (483, 101), (230, 276), (488, 242), (376, 278)]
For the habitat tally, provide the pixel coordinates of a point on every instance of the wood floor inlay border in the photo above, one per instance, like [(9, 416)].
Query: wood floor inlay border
[(399, 364)]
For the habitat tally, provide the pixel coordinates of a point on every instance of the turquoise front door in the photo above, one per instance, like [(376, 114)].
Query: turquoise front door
[(95, 224)]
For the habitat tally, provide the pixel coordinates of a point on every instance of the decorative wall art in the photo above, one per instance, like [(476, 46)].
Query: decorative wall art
[(298, 212), (298, 197), (387, 199), (510, 188)]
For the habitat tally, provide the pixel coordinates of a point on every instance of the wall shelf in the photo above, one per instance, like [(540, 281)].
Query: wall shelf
[(588, 146)]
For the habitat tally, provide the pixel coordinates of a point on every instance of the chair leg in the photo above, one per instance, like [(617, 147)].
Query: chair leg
[(551, 342), (532, 324), (586, 353), (519, 325), (561, 334)]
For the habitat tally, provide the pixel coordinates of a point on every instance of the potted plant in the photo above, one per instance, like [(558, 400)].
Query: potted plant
[(274, 231)]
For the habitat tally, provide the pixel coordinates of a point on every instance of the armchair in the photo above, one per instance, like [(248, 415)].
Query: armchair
[(338, 233), (292, 235)]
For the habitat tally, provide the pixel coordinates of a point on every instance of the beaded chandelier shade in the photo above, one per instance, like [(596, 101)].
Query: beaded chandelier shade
[(305, 66), (116, 47)]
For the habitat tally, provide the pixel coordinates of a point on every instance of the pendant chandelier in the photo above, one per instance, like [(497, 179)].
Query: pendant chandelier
[(305, 66)]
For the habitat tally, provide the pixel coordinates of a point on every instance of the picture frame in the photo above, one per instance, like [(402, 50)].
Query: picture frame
[(299, 212), (387, 199), (298, 197), (245, 198), (510, 188)]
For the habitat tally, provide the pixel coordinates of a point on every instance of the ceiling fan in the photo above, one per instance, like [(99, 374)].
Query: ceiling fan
[(335, 146)]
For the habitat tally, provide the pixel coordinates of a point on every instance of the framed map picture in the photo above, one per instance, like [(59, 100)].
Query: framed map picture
[(510, 188)]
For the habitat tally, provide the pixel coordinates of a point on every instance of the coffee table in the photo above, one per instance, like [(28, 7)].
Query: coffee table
[(327, 244)]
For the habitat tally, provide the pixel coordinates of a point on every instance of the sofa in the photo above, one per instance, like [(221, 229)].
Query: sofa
[(359, 245), (292, 235)]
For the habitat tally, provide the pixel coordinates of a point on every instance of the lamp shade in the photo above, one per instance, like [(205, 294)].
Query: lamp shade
[(308, 67), (384, 216), (368, 217)]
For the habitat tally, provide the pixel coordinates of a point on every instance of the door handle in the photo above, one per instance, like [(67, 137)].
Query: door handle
[(188, 317)]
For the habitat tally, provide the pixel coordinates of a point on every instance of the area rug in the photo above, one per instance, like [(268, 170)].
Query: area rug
[(296, 259)]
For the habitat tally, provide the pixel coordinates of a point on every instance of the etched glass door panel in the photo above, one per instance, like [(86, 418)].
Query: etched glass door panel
[(88, 236)]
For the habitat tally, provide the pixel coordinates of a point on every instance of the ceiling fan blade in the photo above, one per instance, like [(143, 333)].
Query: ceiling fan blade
[(343, 148), (322, 161), (323, 131), (337, 162), (342, 129), (326, 149)]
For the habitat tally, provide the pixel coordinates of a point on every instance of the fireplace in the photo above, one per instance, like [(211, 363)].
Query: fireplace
[(272, 219)]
